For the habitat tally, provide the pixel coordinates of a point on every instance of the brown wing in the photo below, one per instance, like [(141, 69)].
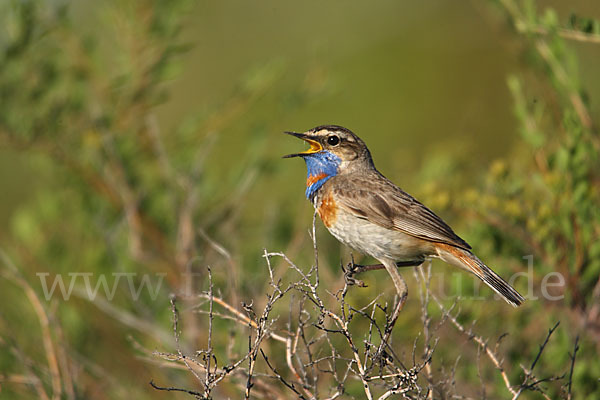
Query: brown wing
[(385, 204)]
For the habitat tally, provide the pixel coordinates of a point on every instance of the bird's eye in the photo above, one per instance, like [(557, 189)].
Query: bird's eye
[(333, 140)]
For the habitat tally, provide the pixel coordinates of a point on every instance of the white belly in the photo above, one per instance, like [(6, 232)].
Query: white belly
[(377, 241)]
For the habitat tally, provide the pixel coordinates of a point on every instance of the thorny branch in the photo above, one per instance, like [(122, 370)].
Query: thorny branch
[(318, 346)]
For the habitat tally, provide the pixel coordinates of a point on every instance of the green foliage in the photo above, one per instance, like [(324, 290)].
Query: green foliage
[(545, 199), (583, 24)]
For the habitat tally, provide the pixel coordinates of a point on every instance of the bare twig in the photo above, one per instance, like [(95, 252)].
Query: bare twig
[(209, 349), (12, 273), (530, 382), (480, 341), (572, 356), (543, 346), (281, 379), (185, 360), (174, 389), (423, 274)]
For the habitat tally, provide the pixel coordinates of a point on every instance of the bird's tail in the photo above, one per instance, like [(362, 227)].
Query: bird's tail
[(466, 260)]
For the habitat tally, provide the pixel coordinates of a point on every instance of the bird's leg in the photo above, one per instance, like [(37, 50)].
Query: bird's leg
[(351, 270), (402, 291), (399, 283)]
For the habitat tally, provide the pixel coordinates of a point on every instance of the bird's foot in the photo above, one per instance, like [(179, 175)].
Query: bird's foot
[(354, 269), (349, 272)]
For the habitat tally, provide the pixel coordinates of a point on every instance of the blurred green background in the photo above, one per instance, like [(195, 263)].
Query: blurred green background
[(136, 135)]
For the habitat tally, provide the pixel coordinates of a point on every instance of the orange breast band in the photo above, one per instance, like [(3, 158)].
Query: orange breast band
[(315, 178), (328, 210)]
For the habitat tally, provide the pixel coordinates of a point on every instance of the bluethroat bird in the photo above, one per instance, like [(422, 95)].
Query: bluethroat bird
[(367, 212)]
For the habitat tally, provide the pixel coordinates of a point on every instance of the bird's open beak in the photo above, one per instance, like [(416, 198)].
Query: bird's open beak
[(315, 146)]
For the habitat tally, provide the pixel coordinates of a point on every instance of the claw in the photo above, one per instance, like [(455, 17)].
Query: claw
[(352, 281), (349, 272)]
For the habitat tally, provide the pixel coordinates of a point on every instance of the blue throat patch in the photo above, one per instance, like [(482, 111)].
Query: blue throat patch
[(321, 167)]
